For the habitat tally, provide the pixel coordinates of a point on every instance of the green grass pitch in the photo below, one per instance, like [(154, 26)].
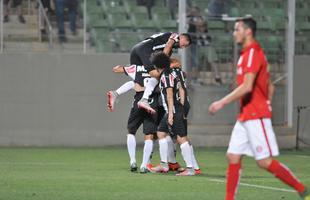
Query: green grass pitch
[(103, 174)]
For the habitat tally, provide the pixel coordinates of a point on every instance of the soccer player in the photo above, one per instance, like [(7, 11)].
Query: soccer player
[(174, 117), (140, 55), (138, 116), (253, 134), (184, 100)]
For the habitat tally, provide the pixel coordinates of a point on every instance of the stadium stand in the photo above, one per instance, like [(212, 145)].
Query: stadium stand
[(124, 23)]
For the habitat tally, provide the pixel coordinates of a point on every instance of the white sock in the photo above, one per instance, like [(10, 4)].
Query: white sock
[(187, 154), (150, 159), (131, 146), (163, 150), (194, 161), (149, 84), (125, 87), (147, 151), (171, 150)]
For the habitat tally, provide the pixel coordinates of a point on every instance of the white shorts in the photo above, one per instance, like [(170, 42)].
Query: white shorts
[(254, 138)]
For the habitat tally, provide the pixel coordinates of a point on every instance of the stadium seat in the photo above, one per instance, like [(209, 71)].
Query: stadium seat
[(121, 21), (164, 22), (113, 6), (215, 24), (202, 4), (127, 40), (92, 8), (141, 21), (97, 21), (106, 47), (234, 12)]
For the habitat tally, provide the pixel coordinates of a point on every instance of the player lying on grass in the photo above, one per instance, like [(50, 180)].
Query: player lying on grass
[(140, 56), (253, 134), (173, 119)]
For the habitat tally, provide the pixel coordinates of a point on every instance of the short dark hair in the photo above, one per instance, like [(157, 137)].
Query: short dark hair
[(188, 37), (249, 22), (160, 60)]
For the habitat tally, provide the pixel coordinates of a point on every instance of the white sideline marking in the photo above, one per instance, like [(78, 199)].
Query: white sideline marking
[(255, 186), (303, 156)]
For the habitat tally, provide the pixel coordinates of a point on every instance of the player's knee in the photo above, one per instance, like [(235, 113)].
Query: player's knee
[(233, 158), (148, 137), (161, 135), (264, 163), (132, 131), (182, 140)]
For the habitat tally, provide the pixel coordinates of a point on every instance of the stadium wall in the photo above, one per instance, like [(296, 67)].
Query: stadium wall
[(301, 92), (60, 100)]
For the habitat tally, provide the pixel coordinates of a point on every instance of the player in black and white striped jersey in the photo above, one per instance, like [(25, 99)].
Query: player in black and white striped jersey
[(174, 121), (140, 55)]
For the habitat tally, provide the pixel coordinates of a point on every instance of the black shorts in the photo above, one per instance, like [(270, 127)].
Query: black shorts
[(140, 54), (138, 116), (186, 107), (179, 126)]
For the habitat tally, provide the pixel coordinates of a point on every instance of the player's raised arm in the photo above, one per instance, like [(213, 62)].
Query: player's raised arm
[(181, 41), (174, 38), (118, 69)]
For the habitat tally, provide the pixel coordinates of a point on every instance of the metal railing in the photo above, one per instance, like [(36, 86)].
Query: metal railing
[(44, 23)]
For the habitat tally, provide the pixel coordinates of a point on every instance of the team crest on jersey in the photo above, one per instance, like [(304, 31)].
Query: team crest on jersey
[(259, 149)]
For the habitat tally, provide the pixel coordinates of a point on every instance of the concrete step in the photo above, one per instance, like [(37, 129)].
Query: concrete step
[(25, 47), (78, 38), (10, 47), (15, 31)]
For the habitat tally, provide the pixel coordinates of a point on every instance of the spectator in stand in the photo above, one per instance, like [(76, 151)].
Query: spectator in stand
[(16, 4), (208, 58), (194, 20), (198, 28), (172, 6), (217, 8), (72, 6), (149, 4)]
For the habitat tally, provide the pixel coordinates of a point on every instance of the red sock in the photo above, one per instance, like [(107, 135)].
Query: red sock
[(233, 176), (284, 174)]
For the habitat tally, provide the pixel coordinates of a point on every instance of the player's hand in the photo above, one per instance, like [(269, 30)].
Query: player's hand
[(215, 106), (170, 119), (175, 37)]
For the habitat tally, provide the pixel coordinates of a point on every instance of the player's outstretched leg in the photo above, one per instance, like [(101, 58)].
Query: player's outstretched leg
[(149, 84), (283, 173), (112, 96)]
